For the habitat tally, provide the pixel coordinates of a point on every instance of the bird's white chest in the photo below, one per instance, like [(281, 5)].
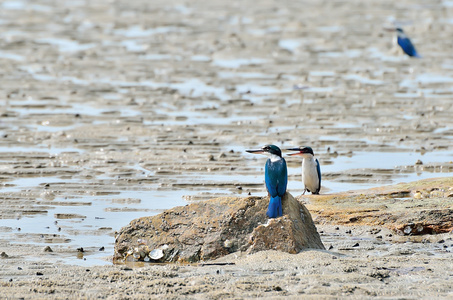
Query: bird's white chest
[(310, 174), (275, 158)]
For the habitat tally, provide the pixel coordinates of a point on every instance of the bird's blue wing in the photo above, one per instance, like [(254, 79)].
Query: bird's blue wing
[(276, 177), (318, 168), (407, 46), (283, 179)]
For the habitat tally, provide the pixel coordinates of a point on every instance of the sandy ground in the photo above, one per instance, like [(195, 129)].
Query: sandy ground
[(361, 263), (116, 109)]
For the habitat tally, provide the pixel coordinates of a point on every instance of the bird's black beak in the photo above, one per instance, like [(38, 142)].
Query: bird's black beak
[(256, 151)]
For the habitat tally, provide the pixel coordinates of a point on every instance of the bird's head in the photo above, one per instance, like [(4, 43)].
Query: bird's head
[(302, 151), (267, 150), (400, 32)]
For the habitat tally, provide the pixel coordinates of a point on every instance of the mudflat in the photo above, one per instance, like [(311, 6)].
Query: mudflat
[(112, 111)]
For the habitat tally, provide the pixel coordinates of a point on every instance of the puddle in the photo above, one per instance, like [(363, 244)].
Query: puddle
[(237, 63), (347, 53), (134, 46), (65, 45), (200, 58), (391, 163), (14, 5), (363, 80), (322, 73), (260, 89), (386, 160), (138, 32), (12, 56), (191, 87), (161, 57), (247, 75), (292, 45), (376, 53)]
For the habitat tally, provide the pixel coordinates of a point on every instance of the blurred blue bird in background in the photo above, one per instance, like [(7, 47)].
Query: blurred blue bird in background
[(405, 43), (311, 170), (276, 178)]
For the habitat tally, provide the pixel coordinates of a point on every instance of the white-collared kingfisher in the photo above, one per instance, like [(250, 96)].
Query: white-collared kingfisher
[(405, 43), (276, 178), (311, 170)]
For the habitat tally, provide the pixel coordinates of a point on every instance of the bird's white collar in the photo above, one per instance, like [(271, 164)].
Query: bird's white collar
[(275, 158)]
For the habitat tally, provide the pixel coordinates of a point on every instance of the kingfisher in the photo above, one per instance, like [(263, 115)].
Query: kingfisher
[(276, 178), (311, 170), (405, 43)]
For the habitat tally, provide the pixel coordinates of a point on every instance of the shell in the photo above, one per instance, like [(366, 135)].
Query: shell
[(156, 254)]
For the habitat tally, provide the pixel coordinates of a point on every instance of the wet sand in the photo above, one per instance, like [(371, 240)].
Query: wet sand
[(112, 111)]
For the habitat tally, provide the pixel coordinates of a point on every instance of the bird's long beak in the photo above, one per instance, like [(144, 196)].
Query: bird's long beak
[(390, 29), (295, 153), (256, 151)]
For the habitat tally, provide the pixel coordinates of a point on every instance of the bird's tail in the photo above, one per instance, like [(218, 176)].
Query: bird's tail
[(275, 207)]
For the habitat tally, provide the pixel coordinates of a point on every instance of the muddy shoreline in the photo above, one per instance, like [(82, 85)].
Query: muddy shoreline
[(114, 111)]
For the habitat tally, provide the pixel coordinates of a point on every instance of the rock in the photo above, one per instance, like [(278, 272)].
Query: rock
[(291, 233), (407, 208), (210, 229)]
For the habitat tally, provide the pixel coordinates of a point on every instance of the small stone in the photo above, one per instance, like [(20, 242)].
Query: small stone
[(228, 244), (4, 255), (102, 248), (419, 162), (418, 195), (407, 229), (48, 249), (156, 254), (39, 274)]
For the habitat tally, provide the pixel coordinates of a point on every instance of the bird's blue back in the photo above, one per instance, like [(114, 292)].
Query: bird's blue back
[(276, 177), (407, 46)]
